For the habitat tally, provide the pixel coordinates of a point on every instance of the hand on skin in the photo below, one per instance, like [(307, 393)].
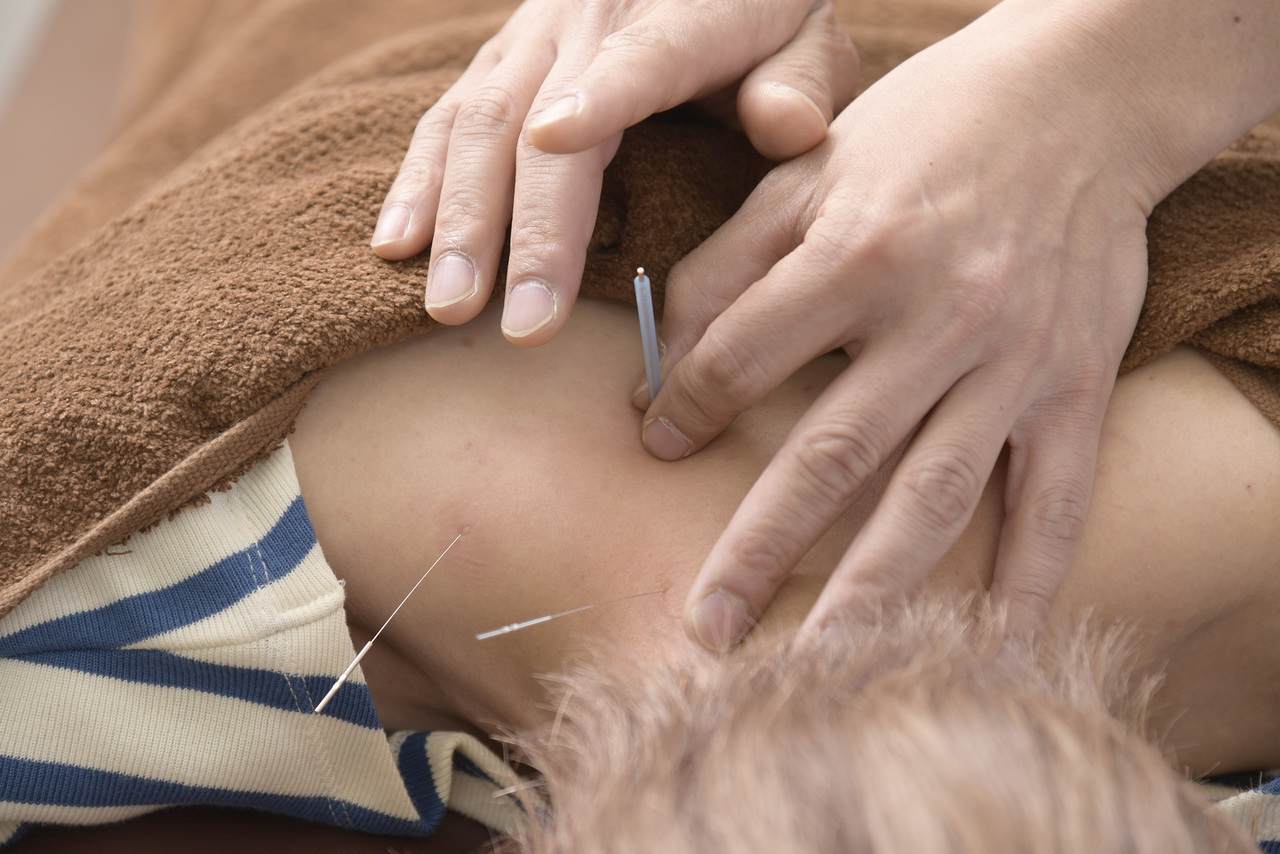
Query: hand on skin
[(570, 76), (972, 233)]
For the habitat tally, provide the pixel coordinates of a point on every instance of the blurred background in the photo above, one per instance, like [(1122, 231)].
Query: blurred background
[(60, 68), (64, 91)]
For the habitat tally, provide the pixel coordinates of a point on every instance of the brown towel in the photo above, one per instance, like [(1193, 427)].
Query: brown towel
[(162, 325)]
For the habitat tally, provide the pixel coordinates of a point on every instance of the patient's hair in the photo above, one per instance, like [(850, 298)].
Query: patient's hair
[(912, 735)]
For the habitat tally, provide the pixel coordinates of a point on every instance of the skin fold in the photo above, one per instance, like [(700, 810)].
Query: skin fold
[(527, 452)]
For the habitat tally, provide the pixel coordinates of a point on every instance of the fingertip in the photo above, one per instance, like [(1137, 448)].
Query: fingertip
[(719, 622), (389, 233), (457, 313), (558, 129), (665, 440), (781, 121), (399, 234), (1027, 614), (532, 314), (393, 224), (1026, 603)]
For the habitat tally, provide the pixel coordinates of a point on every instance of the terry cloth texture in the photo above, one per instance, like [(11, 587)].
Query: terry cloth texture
[(185, 670), (162, 325)]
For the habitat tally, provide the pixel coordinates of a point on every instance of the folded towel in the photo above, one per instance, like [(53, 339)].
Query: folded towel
[(161, 326)]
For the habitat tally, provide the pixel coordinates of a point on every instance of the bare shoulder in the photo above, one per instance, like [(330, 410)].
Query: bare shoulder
[(1183, 539)]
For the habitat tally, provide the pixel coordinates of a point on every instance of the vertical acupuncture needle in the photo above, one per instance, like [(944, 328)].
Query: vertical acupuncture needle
[(352, 666), (515, 627), (648, 333)]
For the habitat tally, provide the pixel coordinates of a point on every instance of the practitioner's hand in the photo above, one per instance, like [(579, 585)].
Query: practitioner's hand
[(571, 75), (972, 234)]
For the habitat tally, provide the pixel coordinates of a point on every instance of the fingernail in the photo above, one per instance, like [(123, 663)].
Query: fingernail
[(720, 621), (393, 225), (530, 306), (640, 397), (664, 441), (567, 106), (790, 92), (453, 279)]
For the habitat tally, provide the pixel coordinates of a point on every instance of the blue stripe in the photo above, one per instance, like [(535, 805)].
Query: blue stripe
[(1269, 847), (136, 618), (23, 829), (271, 688), (415, 770), (28, 782), (463, 764)]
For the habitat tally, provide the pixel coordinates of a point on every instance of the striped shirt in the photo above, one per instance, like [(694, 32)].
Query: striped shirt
[(184, 667), (1256, 811)]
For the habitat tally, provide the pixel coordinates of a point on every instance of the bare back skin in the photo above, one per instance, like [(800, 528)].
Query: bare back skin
[(534, 455)]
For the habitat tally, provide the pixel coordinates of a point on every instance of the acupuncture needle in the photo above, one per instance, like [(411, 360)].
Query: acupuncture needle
[(352, 666), (648, 333), (515, 627)]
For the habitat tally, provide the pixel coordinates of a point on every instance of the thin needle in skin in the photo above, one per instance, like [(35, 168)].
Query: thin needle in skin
[(515, 627), (648, 333), (352, 666)]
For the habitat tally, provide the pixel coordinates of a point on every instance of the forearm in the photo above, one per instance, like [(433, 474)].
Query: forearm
[(1161, 85)]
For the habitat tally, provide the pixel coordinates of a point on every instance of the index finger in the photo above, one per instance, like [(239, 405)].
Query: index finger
[(835, 449)]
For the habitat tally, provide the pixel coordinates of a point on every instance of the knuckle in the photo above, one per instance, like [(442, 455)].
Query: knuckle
[(462, 210), (542, 238), (436, 121), (1031, 593), (837, 457), (1058, 513), (492, 51), (944, 489), (698, 413), (1075, 404), (418, 172), (1093, 376), (1035, 345), (767, 554), (979, 301), (731, 372), (487, 107), (828, 247), (638, 38), (697, 405)]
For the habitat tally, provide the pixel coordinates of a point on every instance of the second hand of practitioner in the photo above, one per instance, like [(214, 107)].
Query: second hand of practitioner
[(973, 234), (567, 75)]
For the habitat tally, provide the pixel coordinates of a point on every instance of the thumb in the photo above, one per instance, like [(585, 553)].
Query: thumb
[(740, 253), (786, 103), (660, 61)]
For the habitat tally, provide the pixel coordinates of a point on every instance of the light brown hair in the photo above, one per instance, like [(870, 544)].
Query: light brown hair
[(910, 735)]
